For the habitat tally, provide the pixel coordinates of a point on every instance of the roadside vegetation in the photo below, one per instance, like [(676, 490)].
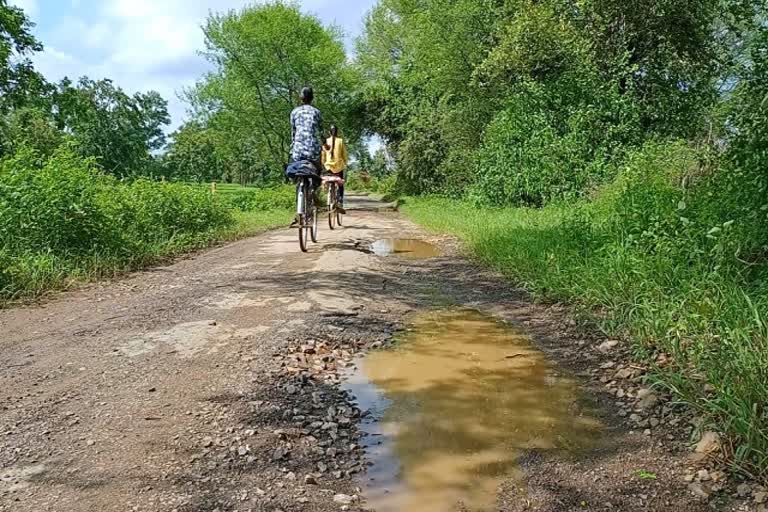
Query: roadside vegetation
[(608, 154), (88, 188), (620, 167)]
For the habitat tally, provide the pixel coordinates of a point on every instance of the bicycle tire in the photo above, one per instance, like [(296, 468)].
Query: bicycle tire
[(308, 214), (314, 226), (302, 217), (331, 206)]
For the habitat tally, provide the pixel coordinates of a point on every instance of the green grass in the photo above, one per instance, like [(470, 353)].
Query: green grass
[(710, 323), (37, 274), (64, 222)]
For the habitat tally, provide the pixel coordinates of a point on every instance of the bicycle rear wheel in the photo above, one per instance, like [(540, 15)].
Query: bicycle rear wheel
[(331, 206)]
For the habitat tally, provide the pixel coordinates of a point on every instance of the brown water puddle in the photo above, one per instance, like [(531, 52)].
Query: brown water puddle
[(454, 406), (408, 249)]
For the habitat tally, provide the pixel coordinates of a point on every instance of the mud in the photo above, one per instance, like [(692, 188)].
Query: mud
[(213, 384), (455, 405), (407, 249)]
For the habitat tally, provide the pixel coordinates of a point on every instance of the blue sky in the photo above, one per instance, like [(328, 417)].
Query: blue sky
[(146, 44)]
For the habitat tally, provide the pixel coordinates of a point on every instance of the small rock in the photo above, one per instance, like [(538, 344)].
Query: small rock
[(344, 499), (291, 476), (647, 398), (699, 491), (709, 443), (760, 497), (744, 490), (703, 475), (718, 476), (310, 480), (607, 346), (208, 442)]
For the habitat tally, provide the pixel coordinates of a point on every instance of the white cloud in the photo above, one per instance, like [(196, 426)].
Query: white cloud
[(146, 44)]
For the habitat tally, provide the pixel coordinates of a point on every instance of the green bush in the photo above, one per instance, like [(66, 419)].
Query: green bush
[(62, 218), (54, 208), (654, 256), (543, 147), (264, 199)]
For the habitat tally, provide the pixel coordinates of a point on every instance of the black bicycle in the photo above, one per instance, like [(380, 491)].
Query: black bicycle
[(307, 179), (334, 184), (307, 211)]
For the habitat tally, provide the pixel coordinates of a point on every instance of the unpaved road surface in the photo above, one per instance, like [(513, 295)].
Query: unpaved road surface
[(212, 384)]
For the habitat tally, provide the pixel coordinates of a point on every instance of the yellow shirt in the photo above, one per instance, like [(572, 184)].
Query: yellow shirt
[(337, 162)]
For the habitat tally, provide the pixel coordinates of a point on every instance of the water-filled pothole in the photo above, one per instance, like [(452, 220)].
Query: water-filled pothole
[(404, 248), (454, 406)]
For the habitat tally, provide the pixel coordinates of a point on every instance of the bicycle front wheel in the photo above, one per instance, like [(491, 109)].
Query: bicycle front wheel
[(302, 191), (310, 213)]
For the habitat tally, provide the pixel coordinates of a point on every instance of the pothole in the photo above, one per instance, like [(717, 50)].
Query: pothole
[(405, 248), (14, 479), (454, 407)]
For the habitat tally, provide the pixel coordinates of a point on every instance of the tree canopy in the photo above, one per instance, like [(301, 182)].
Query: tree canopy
[(263, 56)]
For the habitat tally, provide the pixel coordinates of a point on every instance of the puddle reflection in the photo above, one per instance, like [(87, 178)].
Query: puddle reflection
[(408, 249), (454, 407)]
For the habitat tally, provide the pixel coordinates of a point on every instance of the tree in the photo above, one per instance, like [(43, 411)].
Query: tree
[(20, 84), (121, 131), (263, 56), (192, 155), (418, 60)]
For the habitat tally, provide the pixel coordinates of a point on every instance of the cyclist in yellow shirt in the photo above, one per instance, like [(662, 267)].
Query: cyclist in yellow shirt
[(335, 159)]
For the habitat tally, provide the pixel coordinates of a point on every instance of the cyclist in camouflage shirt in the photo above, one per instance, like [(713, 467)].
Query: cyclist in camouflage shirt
[(306, 130), (306, 133)]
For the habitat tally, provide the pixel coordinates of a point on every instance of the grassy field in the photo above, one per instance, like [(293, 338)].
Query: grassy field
[(703, 331), (35, 275), (63, 222)]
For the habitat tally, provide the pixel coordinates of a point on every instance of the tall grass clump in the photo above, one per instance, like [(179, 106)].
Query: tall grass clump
[(662, 255), (264, 199), (61, 219)]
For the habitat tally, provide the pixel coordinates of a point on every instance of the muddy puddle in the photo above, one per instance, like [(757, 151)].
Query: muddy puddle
[(453, 409), (403, 248)]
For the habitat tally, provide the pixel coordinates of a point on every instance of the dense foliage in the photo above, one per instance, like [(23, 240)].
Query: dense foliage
[(641, 129), (121, 132), (65, 217), (522, 102), (263, 56), (79, 165)]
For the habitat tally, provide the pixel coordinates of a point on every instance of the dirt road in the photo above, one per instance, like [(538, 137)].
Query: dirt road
[(211, 384)]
